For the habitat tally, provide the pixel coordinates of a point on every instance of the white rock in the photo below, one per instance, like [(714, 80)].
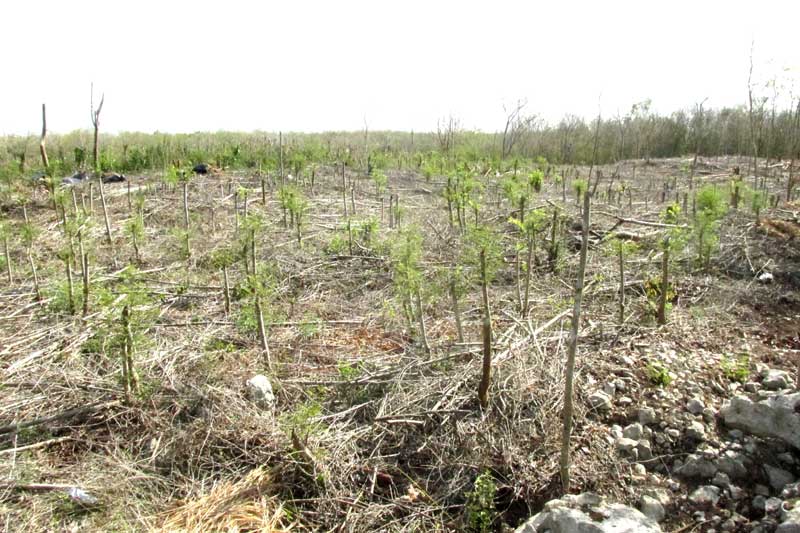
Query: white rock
[(790, 521), (774, 417), (259, 390), (633, 431), (696, 431), (765, 277), (772, 505), (568, 516), (644, 450), (626, 445)]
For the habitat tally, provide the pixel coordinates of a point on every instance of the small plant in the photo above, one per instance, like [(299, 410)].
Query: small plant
[(652, 290), (621, 249), (220, 345), (367, 230), (480, 507), (310, 326), (710, 209), (348, 371), (380, 180), (579, 187), (758, 201), (128, 315), (134, 227), (535, 180), (302, 419), (658, 374), (736, 368)]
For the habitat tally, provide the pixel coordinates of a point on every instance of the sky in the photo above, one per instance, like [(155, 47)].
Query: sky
[(303, 65)]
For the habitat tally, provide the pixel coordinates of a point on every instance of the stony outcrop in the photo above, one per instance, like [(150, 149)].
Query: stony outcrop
[(774, 417), (589, 513)]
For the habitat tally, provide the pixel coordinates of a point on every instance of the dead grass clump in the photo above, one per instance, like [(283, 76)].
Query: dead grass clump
[(782, 229), (233, 507)]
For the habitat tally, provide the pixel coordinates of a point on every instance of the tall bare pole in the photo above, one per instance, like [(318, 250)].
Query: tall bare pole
[(43, 140), (751, 116), (95, 114)]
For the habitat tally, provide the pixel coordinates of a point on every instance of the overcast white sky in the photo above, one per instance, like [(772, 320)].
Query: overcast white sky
[(322, 65)]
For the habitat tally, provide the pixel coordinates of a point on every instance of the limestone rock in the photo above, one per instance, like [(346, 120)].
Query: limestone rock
[(696, 431), (774, 417), (705, 497), (652, 508), (695, 406), (259, 390), (776, 379), (647, 415), (588, 513), (600, 401)]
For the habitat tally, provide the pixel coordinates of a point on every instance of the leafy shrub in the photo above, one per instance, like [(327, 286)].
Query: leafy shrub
[(480, 504), (736, 368), (658, 374)]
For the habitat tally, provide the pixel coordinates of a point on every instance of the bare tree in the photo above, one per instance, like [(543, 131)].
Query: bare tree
[(752, 110), (517, 126), (95, 114), (698, 121), (42, 141), (794, 147), (446, 133)]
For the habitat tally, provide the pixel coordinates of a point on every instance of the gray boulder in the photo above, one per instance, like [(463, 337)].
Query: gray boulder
[(705, 497), (774, 417), (778, 477), (600, 401), (776, 379), (588, 513), (652, 508)]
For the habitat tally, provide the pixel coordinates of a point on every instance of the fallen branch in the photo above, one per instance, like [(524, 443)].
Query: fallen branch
[(624, 220), (78, 411), (41, 444)]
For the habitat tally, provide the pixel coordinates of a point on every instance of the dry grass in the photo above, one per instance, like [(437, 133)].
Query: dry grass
[(243, 506)]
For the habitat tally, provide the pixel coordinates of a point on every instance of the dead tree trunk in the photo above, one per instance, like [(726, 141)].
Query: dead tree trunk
[(8, 260), (621, 284), (43, 140), (486, 370), (662, 300), (95, 114), (456, 310), (572, 349)]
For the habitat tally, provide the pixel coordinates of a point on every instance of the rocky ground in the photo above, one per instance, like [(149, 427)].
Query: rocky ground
[(717, 448)]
